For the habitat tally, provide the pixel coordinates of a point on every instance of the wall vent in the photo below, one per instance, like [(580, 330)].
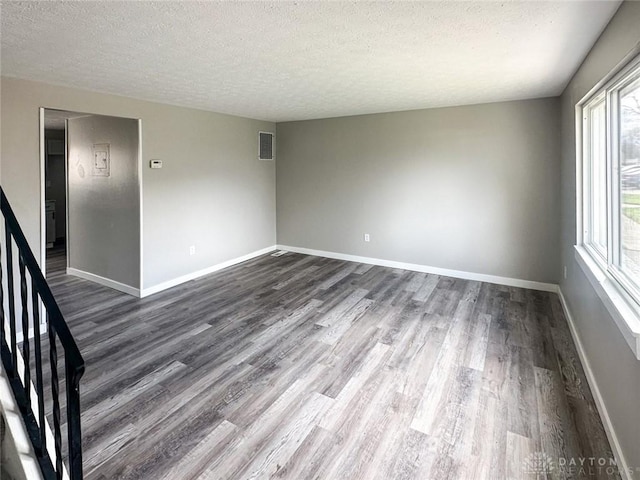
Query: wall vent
[(266, 146)]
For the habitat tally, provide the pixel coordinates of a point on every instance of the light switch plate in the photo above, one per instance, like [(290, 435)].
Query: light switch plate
[(155, 163), (101, 160)]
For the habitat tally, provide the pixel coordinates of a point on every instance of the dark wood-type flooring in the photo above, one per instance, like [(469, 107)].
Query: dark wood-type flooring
[(302, 367)]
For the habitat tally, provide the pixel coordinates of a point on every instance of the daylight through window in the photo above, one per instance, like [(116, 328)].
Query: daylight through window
[(611, 178)]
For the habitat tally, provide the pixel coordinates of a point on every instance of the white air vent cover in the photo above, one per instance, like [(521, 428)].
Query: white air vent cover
[(266, 147)]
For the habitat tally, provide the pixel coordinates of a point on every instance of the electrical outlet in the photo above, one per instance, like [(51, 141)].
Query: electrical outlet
[(564, 271), (192, 250), (367, 238)]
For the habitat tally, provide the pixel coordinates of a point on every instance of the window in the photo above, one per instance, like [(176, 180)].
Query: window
[(610, 203), (595, 151), (628, 152), (611, 179)]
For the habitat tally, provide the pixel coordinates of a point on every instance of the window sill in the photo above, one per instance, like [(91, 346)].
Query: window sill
[(621, 308)]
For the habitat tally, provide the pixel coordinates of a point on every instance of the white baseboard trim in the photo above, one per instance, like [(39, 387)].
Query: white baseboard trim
[(206, 271), (480, 277), (600, 405), (104, 281)]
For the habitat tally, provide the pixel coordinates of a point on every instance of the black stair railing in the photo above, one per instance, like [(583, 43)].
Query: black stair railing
[(34, 295)]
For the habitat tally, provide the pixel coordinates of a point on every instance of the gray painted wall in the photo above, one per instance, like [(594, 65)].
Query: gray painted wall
[(473, 188), (104, 211), (616, 370), (212, 192)]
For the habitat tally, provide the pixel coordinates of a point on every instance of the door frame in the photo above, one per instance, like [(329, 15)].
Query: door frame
[(43, 215)]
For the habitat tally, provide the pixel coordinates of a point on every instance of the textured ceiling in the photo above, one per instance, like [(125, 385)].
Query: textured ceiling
[(300, 60)]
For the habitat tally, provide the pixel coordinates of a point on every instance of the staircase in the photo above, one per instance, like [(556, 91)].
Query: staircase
[(7, 466), (39, 356)]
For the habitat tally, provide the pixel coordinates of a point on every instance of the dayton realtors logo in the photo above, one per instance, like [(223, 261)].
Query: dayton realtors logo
[(538, 464)]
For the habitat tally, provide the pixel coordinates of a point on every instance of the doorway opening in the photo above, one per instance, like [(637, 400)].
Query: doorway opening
[(91, 198), (55, 190)]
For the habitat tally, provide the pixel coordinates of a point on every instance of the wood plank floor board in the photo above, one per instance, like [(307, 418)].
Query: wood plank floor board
[(244, 448), (266, 389), (196, 461), (416, 280), (370, 418), (456, 426), (342, 272), (415, 376), (300, 367), (160, 422), (310, 457), (478, 338), (519, 450), (397, 420), (415, 456), (424, 292), (486, 444), (121, 421), (122, 398), (407, 335), (291, 433), (346, 358)]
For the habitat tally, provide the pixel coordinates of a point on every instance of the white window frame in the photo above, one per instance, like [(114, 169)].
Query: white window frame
[(600, 255), (619, 294)]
